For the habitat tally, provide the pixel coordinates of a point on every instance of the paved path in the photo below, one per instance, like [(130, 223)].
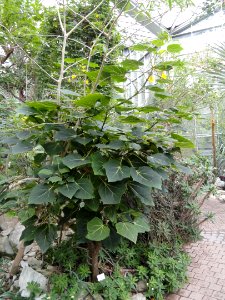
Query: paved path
[(207, 270)]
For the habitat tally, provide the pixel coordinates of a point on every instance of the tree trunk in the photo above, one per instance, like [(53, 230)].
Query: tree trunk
[(213, 140), (94, 248)]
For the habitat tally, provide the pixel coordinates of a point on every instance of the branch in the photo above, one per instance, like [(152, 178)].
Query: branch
[(8, 53)]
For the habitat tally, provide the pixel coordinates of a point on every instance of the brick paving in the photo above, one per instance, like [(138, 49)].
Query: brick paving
[(207, 270)]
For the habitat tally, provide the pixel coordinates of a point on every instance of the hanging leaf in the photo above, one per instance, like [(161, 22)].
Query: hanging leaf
[(111, 193), (74, 160), (146, 176), (142, 224), (131, 64), (148, 109), (174, 48), (132, 120), (89, 100), (26, 214), (182, 142), (43, 105), (115, 171), (97, 231), (53, 148), (45, 173), (22, 147), (160, 159), (143, 193), (127, 230), (45, 236), (85, 189), (41, 194), (65, 134), (97, 161), (68, 190)]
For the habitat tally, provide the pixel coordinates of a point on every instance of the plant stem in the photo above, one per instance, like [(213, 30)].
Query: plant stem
[(94, 248)]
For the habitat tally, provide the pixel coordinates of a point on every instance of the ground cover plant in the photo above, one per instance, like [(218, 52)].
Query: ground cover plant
[(86, 159)]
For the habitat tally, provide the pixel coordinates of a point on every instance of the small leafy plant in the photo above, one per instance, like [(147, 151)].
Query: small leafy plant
[(95, 164)]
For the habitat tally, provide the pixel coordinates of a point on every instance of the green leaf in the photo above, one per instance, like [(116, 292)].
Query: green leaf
[(26, 110), (41, 194), (143, 193), (26, 214), (155, 88), (111, 193), (132, 120), (90, 100), (97, 231), (127, 230), (146, 176), (92, 204), (160, 159), (45, 235), (157, 43), (43, 105), (131, 64), (142, 224), (143, 47), (148, 109), (53, 148), (12, 140), (44, 173), (54, 179), (115, 171), (182, 142), (82, 140), (97, 161), (22, 147), (85, 189), (68, 190), (183, 169), (174, 48), (65, 134), (74, 160), (25, 134)]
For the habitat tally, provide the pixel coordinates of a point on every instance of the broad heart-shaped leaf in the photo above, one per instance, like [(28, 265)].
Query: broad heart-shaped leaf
[(127, 230), (97, 231), (97, 161), (45, 235), (160, 159), (74, 160), (90, 100), (131, 64), (68, 190), (85, 189), (115, 171), (174, 48), (143, 193), (43, 105), (132, 120), (45, 173), (146, 176), (41, 194), (148, 109), (53, 148), (65, 134), (22, 147), (182, 142), (141, 224), (111, 193)]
